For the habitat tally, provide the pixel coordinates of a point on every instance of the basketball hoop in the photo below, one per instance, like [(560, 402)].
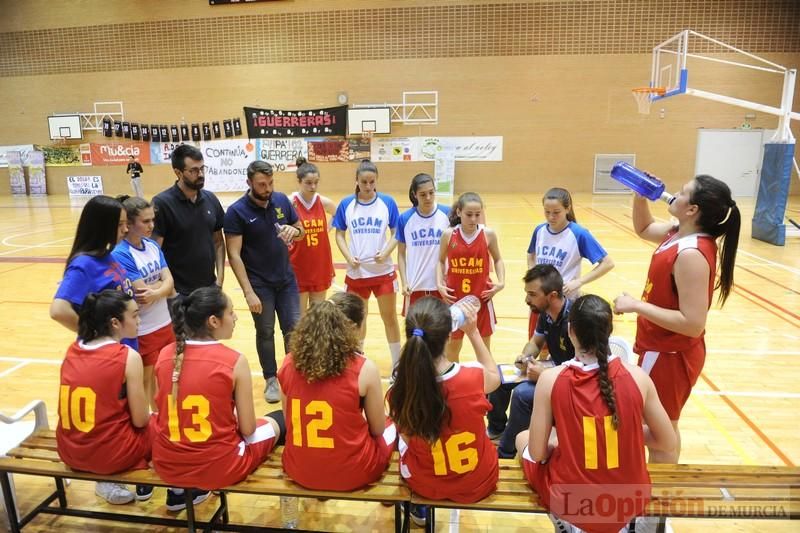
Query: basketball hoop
[(644, 97)]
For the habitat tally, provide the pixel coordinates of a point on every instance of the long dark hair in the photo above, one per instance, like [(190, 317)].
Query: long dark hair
[(94, 318), (591, 322), (464, 199), (416, 401), (416, 182), (364, 166), (564, 198), (304, 168), (96, 234), (190, 319), (719, 217), (351, 305)]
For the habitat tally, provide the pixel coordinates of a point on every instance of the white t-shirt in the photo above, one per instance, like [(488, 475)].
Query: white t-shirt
[(565, 249), (421, 235), (145, 263), (367, 225)]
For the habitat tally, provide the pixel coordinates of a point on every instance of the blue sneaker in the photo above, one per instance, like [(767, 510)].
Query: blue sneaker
[(177, 502), (419, 514)]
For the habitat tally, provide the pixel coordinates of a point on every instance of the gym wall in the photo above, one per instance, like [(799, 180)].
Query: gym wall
[(553, 78)]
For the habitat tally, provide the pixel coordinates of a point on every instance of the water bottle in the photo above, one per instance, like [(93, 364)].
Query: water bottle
[(289, 512), (457, 314), (648, 186)]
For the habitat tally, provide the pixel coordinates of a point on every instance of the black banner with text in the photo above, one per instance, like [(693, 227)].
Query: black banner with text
[(274, 123)]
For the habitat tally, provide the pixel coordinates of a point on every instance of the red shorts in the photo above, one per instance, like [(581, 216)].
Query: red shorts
[(152, 343), (486, 322), (536, 474), (412, 298), (314, 288), (674, 374), (379, 285)]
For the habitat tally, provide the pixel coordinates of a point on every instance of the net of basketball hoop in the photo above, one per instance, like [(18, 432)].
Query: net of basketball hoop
[(644, 97)]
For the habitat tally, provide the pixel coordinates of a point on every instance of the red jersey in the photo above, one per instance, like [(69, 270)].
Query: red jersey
[(594, 464), (462, 464), (468, 263), (311, 257), (95, 432), (198, 443), (660, 290), (328, 444)]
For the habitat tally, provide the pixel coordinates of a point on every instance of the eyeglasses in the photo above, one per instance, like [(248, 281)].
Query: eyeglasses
[(195, 171)]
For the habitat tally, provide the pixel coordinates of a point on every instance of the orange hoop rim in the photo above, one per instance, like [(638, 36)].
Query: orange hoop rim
[(650, 90)]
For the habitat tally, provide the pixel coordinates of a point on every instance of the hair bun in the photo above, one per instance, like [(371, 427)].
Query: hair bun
[(366, 160), (300, 161)]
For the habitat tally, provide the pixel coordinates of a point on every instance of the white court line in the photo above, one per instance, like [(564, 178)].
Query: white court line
[(13, 369), (32, 247)]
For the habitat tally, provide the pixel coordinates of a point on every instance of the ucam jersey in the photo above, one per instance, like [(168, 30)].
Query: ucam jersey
[(565, 249), (421, 235), (367, 224), (145, 263)]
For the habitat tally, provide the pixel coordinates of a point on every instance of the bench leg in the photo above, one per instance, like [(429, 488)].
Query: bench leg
[(187, 494), (62, 494), (224, 502), (430, 523), (8, 499)]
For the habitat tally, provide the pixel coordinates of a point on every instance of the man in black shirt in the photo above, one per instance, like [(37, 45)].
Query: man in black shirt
[(189, 224), (135, 170), (544, 295)]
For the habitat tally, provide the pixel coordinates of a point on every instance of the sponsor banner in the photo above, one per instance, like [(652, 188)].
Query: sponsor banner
[(36, 176), (161, 153), (16, 175), (23, 149), (84, 185), (359, 148), (278, 123), (328, 151), (394, 149), (465, 148), (444, 172), (282, 154), (226, 163), (118, 153), (62, 155)]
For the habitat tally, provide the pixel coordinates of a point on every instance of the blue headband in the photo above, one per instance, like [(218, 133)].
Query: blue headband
[(418, 332)]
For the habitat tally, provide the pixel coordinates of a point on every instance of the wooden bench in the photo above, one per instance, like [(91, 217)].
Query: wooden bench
[(682, 491), (37, 456)]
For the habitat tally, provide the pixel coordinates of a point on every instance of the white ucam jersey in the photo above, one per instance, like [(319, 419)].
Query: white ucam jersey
[(421, 235), (565, 249), (367, 224), (145, 263)]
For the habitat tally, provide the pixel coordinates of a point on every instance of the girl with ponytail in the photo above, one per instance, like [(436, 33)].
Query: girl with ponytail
[(670, 328), (598, 403), (112, 432), (208, 434), (311, 256), (439, 409)]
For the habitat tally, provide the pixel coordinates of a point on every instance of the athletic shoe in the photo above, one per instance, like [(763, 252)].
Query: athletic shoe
[(177, 502), (560, 526), (418, 513), (272, 392), (143, 492), (114, 493), (649, 524), (494, 436)]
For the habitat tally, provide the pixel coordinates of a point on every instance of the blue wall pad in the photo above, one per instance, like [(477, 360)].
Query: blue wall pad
[(773, 192)]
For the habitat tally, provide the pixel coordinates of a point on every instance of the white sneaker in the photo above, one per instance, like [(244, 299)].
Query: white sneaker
[(272, 391), (114, 493), (649, 524)]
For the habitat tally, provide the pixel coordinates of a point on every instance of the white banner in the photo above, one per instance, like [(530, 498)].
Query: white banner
[(36, 175), (16, 175), (23, 149), (400, 149), (84, 185), (394, 149), (161, 153), (281, 153), (444, 172), (226, 163)]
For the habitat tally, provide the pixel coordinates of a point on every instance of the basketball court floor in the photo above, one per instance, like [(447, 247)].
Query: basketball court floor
[(742, 411)]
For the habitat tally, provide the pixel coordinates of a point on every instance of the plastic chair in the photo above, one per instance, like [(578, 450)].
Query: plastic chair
[(14, 431), (622, 349)]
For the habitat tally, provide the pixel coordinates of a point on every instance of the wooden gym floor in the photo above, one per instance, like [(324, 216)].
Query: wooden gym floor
[(742, 410)]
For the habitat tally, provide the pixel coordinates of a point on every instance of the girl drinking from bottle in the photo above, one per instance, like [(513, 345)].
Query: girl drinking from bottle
[(152, 282), (419, 233), (371, 218), (597, 403), (563, 243), (670, 328), (311, 257), (439, 408), (464, 253)]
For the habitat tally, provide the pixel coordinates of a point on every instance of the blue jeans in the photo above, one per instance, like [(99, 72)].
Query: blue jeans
[(285, 302), (519, 417)]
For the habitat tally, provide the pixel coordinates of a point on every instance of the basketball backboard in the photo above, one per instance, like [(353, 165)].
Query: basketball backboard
[(361, 120), (65, 127)]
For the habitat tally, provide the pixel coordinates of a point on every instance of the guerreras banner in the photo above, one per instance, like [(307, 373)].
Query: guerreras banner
[(118, 153)]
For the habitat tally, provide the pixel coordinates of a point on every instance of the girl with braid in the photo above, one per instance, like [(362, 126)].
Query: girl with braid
[(598, 403), (208, 434)]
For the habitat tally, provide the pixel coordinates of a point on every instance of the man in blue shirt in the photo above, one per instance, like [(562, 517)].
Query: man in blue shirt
[(259, 229), (544, 295)]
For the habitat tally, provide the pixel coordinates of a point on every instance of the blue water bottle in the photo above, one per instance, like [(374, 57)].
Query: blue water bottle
[(638, 181)]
